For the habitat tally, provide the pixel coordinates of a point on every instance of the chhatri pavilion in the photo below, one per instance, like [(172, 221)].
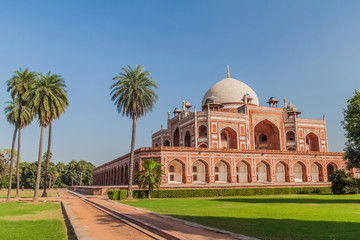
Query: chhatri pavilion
[(234, 140)]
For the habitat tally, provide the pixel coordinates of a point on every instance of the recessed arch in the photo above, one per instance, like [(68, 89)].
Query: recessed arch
[(228, 138), (156, 145), (126, 174), (267, 135), (299, 172), (176, 171), (176, 138), (243, 172), (222, 170), (202, 131), (136, 169), (166, 143), (263, 172), (187, 139), (312, 142), (316, 172), (122, 181), (331, 168), (200, 171), (282, 172), (203, 145)]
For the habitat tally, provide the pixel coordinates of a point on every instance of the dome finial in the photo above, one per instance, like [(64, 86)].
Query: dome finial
[(228, 72)]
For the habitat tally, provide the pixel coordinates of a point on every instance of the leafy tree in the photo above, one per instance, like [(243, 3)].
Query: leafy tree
[(342, 182), (82, 168), (150, 177), (133, 95), (49, 101), (351, 124), (4, 165), (18, 86), (12, 112), (71, 170)]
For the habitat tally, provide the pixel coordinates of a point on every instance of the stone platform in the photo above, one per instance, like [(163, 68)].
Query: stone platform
[(102, 190)]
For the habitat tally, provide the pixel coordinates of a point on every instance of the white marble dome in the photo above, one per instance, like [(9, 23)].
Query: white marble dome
[(230, 91)]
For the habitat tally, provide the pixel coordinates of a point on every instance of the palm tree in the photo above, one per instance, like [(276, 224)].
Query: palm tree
[(18, 86), (49, 101), (72, 168), (46, 159), (12, 112), (82, 166), (150, 177), (133, 95)]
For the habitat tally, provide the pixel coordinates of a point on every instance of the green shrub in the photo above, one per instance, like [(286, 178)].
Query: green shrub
[(215, 192), (343, 183)]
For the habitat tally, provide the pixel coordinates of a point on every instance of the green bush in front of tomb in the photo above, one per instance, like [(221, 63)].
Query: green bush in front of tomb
[(216, 192), (342, 182)]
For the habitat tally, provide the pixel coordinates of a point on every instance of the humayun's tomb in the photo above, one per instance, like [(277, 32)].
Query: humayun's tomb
[(234, 140)]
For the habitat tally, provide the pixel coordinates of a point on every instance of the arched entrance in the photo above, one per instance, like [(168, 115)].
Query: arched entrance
[(312, 142), (263, 172), (243, 172), (221, 172), (280, 172), (122, 181), (202, 131), (176, 170), (316, 172), (199, 171), (136, 169), (331, 168), (187, 139), (166, 143), (126, 174), (267, 136), (299, 172), (228, 138), (176, 138)]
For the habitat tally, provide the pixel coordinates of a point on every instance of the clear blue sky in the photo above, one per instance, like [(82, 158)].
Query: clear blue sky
[(305, 51)]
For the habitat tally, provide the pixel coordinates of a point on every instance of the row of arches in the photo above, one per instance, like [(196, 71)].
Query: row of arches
[(115, 176), (222, 170), (266, 136)]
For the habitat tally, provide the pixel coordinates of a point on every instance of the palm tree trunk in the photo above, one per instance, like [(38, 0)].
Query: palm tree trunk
[(38, 173), (149, 192), (131, 167), (18, 167), (11, 163), (47, 162)]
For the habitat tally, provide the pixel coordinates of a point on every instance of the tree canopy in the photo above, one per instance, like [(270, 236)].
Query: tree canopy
[(351, 124)]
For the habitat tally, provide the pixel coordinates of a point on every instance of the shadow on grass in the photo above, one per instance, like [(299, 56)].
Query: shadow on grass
[(287, 200), (267, 228)]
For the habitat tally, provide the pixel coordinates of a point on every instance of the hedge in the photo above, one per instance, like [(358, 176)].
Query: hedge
[(216, 192)]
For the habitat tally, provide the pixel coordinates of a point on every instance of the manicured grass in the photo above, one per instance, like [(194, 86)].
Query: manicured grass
[(23, 220), (27, 193), (268, 217)]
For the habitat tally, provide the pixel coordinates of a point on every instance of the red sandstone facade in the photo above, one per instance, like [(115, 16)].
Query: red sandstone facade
[(234, 140)]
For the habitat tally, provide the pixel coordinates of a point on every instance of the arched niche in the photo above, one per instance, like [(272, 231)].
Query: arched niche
[(263, 172), (267, 136), (122, 181), (316, 172), (187, 139), (221, 172), (203, 145), (126, 174), (282, 172), (331, 168), (228, 138), (243, 171), (199, 172), (136, 169), (176, 138), (156, 145), (312, 142), (202, 131), (166, 143), (176, 172), (299, 172)]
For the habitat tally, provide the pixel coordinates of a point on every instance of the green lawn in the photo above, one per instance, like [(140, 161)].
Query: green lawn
[(268, 217), (27, 193), (24, 220)]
